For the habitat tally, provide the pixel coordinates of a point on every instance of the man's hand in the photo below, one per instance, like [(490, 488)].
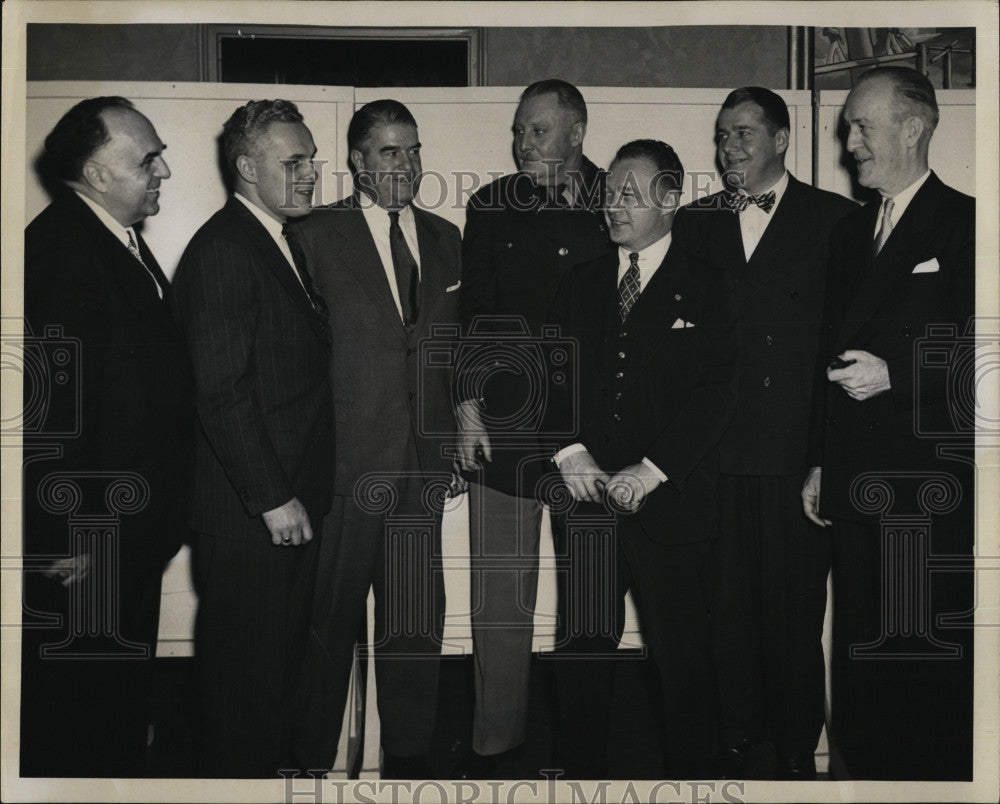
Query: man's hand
[(584, 478), (865, 378), (810, 497), (627, 489), (459, 485), (471, 436), (288, 524), (69, 571)]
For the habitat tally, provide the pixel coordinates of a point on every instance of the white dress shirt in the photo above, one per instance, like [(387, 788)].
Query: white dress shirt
[(900, 201), (649, 261), (121, 232), (273, 228), (377, 219), (754, 220)]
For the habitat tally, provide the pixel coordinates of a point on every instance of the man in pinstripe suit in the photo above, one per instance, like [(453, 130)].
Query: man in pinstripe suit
[(259, 342)]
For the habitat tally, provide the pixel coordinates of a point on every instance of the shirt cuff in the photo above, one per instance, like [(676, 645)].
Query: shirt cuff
[(565, 452), (655, 470)]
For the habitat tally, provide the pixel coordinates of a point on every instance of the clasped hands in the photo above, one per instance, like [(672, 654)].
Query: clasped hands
[(625, 490)]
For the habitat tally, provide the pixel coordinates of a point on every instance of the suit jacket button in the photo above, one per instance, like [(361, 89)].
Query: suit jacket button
[(622, 334), (830, 420), (873, 425), (409, 351), (793, 295), (621, 355), (618, 395), (907, 331), (619, 374), (411, 395), (767, 382), (769, 340), (617, 417), (563, 251)]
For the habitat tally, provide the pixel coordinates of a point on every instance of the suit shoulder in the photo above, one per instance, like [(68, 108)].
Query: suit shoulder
[(827, 201), (494, 194)]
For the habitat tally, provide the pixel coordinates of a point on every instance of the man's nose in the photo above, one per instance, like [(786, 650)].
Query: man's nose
[(853, 139), (160, 168)]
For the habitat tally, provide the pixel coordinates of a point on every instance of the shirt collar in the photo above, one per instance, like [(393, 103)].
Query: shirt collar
[(272, 226), (105, 217), (779, 188), (902, 199), (378, 217), (650, 257)]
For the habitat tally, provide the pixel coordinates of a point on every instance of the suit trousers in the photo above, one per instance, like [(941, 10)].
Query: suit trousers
[(85, 708), (672, 587), (254, 602), (398, 554), (902, 704), (503, 535), (772, 566)]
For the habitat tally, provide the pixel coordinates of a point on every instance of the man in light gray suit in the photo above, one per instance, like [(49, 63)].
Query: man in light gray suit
[(389, 272)]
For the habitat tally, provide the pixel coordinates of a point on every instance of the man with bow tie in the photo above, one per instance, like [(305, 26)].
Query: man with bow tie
[(771, 231), (892, 436)]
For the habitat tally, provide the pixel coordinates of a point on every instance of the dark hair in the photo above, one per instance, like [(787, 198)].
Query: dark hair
[(569, 96), (384, 112), (774, 109), (242, 132), (78, 134), (912, 90), (669, 169)]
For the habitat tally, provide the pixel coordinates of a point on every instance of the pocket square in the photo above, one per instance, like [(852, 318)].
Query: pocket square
[(680, 323), (928, 267), (454, 287)]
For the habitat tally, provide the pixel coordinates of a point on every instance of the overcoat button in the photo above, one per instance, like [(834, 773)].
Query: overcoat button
[(563, 251)]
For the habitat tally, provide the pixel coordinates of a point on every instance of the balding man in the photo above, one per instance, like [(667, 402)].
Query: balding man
[(93, 290), (901, 269)]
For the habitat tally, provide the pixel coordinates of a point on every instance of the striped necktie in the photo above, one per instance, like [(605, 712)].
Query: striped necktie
[(134, 250), (886, 228)]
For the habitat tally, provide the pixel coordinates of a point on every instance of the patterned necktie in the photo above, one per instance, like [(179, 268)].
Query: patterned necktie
[(301, 268), (134, 249), (737, 202), (407, 273), (628, 288), (886, 228)]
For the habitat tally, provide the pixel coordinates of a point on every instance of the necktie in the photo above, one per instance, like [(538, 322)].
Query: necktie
[(407, 273), (134, 249), (737, 202), (886, 228), (301, 268), (628, 288)]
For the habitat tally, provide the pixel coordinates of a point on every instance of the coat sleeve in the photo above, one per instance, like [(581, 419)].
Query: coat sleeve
[(218, 304)]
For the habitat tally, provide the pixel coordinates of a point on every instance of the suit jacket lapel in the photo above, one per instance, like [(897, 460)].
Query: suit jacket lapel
[(896, 260), (276, 260), (433, 279)]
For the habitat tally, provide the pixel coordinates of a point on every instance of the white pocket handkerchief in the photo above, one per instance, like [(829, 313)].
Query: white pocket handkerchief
[(680, 323), (929, 267), (452, 288)]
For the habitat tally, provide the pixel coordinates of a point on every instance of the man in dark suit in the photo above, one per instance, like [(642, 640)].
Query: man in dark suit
[(657, 355), (259, 340), (772, 232), (522, 234), (107, 441), (390, 272), (896, 469)]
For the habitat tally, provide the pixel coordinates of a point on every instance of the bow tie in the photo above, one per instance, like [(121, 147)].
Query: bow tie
[(737, 202)]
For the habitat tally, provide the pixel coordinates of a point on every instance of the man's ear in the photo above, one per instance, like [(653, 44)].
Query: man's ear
[(246, 167), (913, 129), (781, 137), (357, 160), (95, 176), (578, 132)]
